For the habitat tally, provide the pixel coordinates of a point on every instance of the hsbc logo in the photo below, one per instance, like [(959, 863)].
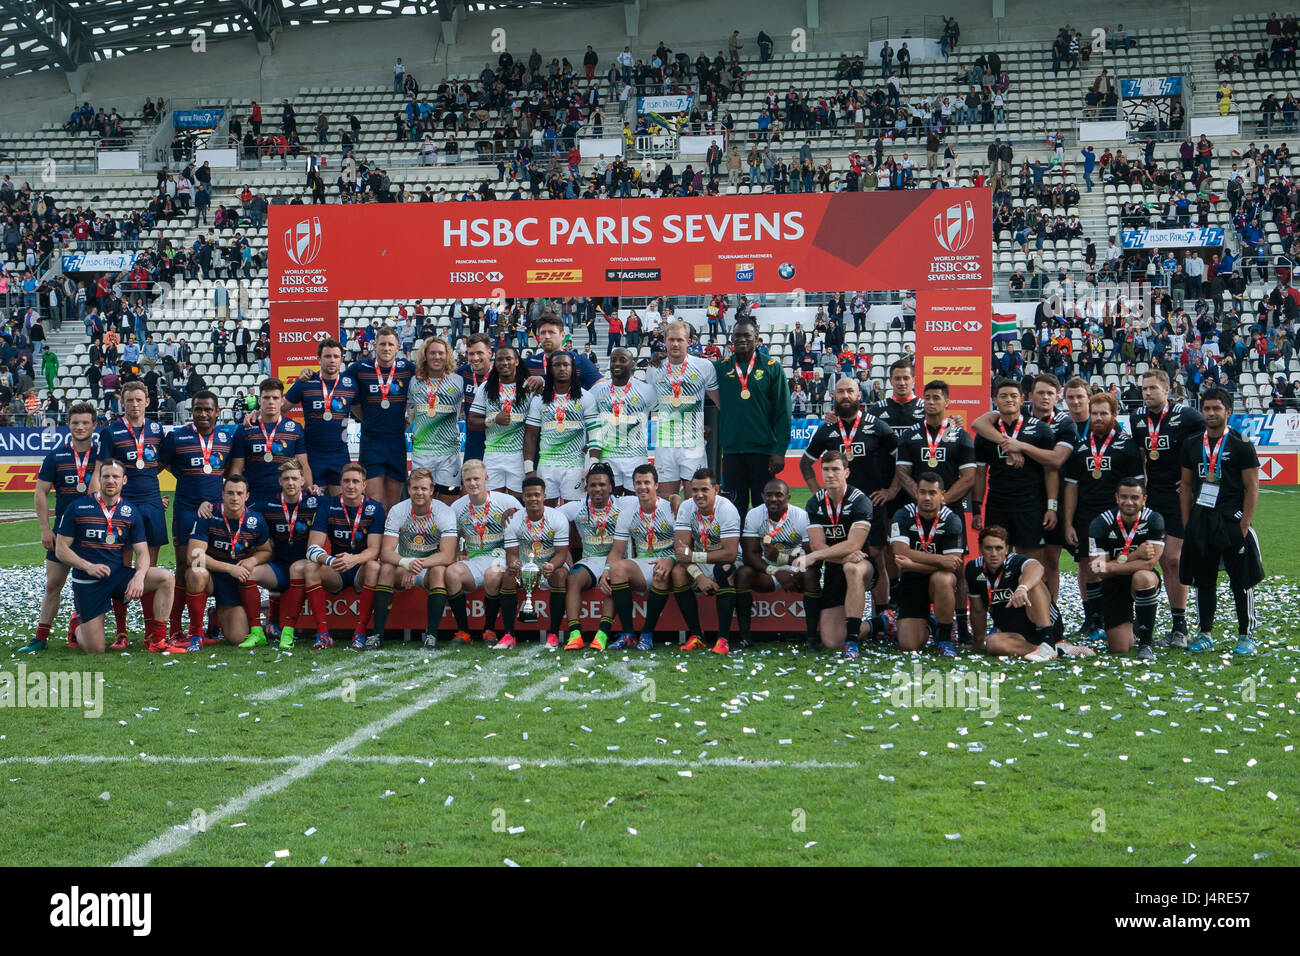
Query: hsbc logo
[(291, 338), (947, 325), (955, 226), (302, 241), (476, 277), (1269, 468)]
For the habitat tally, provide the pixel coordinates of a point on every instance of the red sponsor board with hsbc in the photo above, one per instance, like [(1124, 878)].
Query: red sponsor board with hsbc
[(872, 240), (297, 327)]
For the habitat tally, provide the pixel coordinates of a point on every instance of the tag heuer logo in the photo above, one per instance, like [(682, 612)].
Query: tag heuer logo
[(302, 241)]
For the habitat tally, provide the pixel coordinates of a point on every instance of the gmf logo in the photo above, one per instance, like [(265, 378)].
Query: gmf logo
[(302, 241), (954, 371), (554, 275), (955, 226)]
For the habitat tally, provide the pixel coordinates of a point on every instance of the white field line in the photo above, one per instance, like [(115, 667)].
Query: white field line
[(391, 759), (171, 840)]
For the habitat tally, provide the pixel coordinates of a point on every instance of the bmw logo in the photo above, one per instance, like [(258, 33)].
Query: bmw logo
[(786, 270)]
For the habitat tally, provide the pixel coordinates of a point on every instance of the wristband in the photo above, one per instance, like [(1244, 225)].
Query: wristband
[(1051, 504), (775, 583), (694, 571), (700, 557), (528, 466), (1023, 587), (405, 563), (315, 553), (771, 570), (782, 560)]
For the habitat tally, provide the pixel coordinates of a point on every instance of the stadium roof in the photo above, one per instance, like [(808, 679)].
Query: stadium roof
[(69, 34)]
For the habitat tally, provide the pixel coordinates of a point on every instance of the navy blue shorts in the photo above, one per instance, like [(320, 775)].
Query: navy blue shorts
[(225, 589), (155, 521), (349, 578), (281, 571), (183, 520), (96, 597), (326, 471), (385, 459)]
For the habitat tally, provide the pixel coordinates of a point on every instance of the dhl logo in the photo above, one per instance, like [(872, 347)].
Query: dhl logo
[(18, 477), (954, 372), (554, 275)]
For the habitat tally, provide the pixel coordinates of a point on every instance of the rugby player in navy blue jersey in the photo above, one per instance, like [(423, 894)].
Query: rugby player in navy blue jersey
[(326, 396), (94, 534), (383, 383), (353, 527), (69, 471), (225, 549), (198, 456), (271, 440), (136, 441), (289, 516)]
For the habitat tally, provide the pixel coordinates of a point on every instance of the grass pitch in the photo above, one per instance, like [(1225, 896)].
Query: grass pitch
[(774, 756)]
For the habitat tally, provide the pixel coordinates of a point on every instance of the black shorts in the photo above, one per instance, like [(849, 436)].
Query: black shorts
[(1023, 524), (1055, 537), (878, 536), (1016, 621), (1081, 523), (1164, 502), (912, 596), (1116, 601), (835, 585)]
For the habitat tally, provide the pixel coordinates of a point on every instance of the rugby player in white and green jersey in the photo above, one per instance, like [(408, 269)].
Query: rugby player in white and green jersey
[(592, 524), (642, 557), (481, 517), (555, 432), (623, 406), (542, 534), (433, 407), (420, 542), (681, 385), (499, 409)]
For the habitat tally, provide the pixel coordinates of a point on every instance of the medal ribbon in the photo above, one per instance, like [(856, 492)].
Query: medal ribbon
[(922, 539), (291, 517), (561, 409), (427, 525), (847, 438), (1128, 538), (139, 442), (676, 380), (1211, 458), (744, 376), (328, 396), (108, 515), (1002, 426), (81, 465), (993, 584), (616, 402), (508, 404), (271, 437), (480, 523), (206, 450), (1155, 428), (706, 525), (239, 528), (603, 523), (932, 446), (649, 528), (832, 512), (534, 535), (1097, 456), (774, 529), (356, 522), (385, 383), (431, 387)]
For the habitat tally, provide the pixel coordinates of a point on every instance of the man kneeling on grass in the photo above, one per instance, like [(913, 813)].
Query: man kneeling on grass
[(226, 550), (1010, 589)]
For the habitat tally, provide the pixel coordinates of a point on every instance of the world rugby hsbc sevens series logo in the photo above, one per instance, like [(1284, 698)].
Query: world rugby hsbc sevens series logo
[(302, 241), (955, 226)]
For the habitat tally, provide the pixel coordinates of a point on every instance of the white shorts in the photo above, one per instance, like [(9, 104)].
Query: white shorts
[(505, 471), (595, 566), (478, 567), (445, 468), (623, 468), (563, 483), (680, 464), (647, 566)]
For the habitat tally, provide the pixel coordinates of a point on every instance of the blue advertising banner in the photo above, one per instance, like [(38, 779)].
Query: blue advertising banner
[(196, 119), (1151, 86), (1170, 238)]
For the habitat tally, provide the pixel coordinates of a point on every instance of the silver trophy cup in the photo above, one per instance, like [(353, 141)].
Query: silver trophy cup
[(528, 574)]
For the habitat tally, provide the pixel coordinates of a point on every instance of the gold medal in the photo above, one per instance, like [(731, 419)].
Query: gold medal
[(933, 461), (767, 539), (1122, 559), (744, 393), (418, 541), (561, 425), (431, 411), (1096, 473), (848, 454), (1154, 454)]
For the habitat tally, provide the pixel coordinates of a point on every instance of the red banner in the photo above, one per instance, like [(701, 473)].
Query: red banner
[(905, 239), (1277, 468), (296, 328)]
